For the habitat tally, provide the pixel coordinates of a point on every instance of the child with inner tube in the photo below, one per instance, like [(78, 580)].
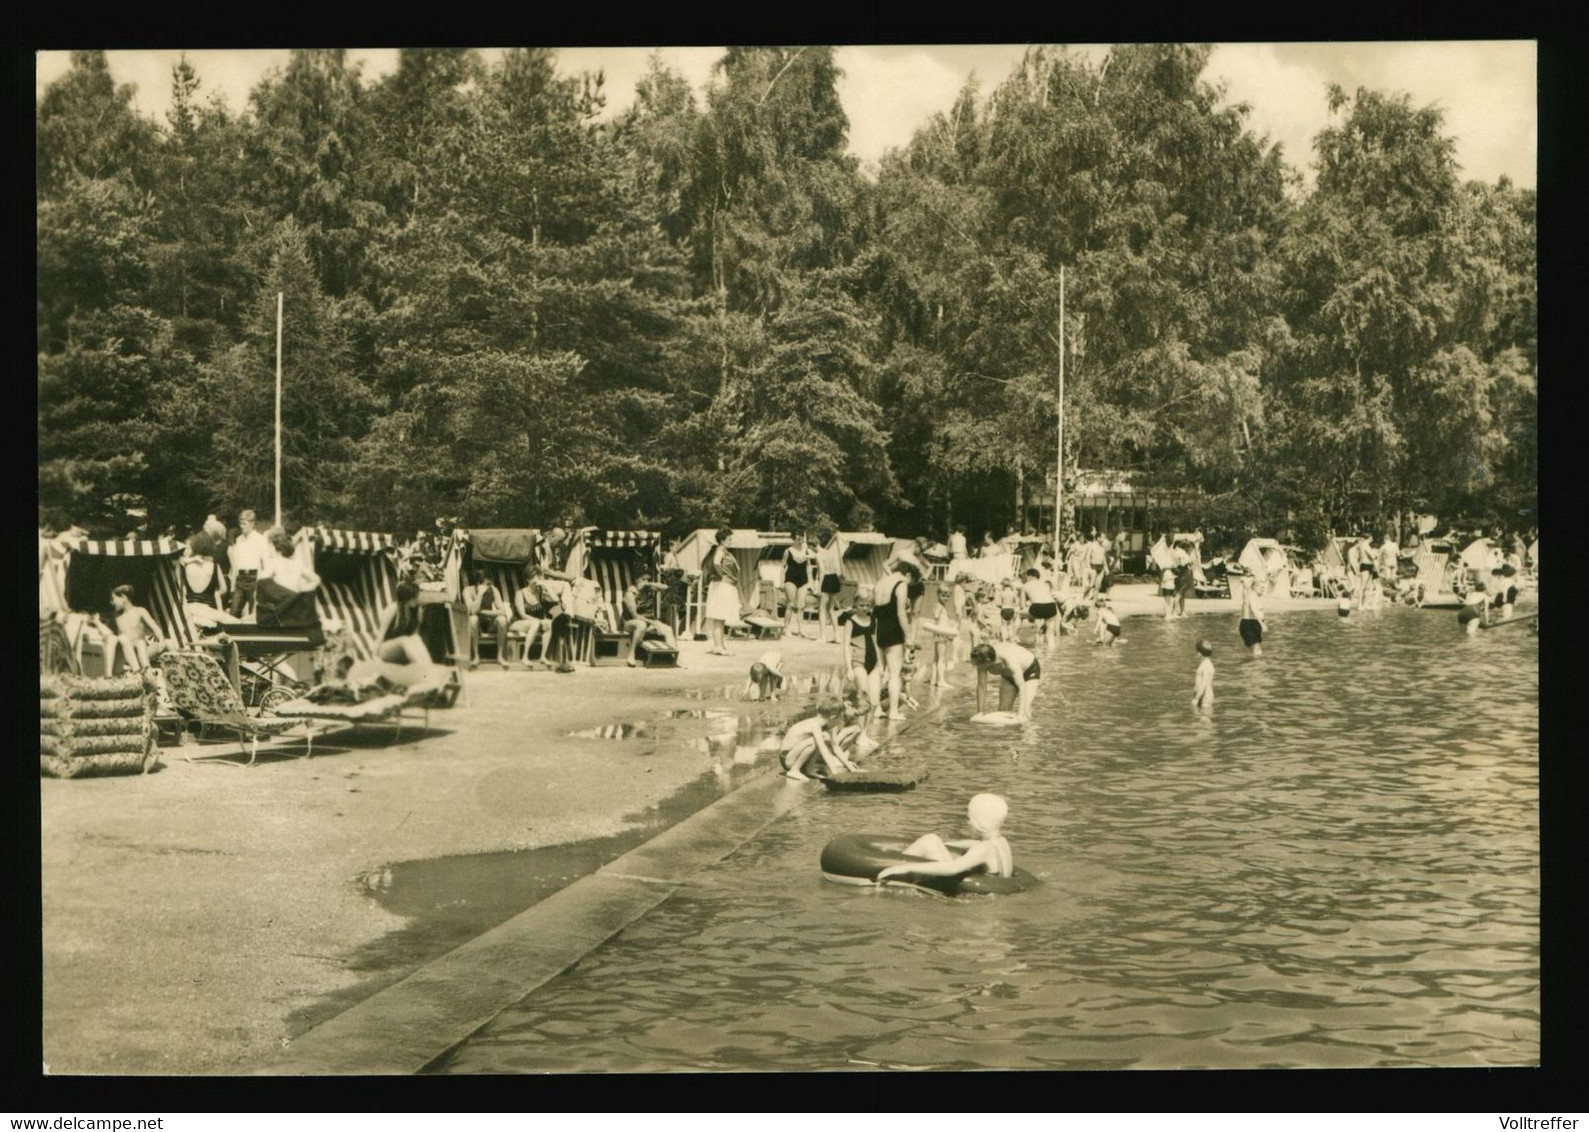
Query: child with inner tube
[(809, 738), (1019, 675), (989, 852)]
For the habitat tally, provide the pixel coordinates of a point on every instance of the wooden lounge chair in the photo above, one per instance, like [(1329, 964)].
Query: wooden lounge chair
[(200, 690), (762, 618)]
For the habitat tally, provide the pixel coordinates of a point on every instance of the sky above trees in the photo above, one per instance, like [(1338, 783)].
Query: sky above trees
[(1487, 89)]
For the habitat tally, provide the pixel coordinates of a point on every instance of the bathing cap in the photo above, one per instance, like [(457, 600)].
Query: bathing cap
[(1345, 606), (987, 811)]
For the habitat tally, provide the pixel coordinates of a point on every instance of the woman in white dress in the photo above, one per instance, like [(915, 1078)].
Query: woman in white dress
[(720, 572)]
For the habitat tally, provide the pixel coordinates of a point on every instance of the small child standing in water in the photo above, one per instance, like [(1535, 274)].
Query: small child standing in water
[(1107, 630), (1203, 686)]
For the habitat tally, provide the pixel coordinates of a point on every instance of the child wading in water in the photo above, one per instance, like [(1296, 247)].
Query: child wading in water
[(1474, 606), (989, 853), (1108, 625), (1203, 686), (1251, 624), (809, 738)]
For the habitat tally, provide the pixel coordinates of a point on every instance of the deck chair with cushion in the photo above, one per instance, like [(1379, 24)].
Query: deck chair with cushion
[(340, 708), (200, 690)]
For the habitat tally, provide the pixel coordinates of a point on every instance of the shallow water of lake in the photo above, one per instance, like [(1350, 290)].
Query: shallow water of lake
[(1339, 867)]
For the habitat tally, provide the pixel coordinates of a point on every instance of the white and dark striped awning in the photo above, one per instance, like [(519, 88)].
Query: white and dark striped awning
[(354, 542), (161, 547), (619, 539)]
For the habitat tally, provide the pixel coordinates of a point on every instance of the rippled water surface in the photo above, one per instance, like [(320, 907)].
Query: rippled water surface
[(1338, 867)]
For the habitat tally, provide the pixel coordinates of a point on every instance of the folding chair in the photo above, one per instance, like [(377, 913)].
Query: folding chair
[(199, 688)]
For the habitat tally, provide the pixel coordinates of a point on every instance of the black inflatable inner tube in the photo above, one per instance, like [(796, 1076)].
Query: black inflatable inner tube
[(857, 858)]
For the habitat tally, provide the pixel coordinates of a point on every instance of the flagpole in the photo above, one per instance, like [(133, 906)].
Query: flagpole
[(1059, 470), (278, 408)]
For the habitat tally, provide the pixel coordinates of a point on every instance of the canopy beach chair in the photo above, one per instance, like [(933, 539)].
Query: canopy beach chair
[(866, 556), (612, 559), (504, 555), (757, 554), (1266, 558), (96, 566), (358, 576)]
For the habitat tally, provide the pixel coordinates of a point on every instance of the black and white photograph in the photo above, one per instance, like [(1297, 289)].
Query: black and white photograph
[(788, 559)]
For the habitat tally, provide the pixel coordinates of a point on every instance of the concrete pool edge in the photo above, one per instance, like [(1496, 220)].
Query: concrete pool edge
[(412, 1023)]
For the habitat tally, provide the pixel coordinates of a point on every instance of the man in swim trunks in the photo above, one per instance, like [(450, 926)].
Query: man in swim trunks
[(1251, 624), (830, 560), (1367, 575), (1019, 675), (1041, 606)]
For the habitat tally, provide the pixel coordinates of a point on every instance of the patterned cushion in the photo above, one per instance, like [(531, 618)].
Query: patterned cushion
[(199, 687)]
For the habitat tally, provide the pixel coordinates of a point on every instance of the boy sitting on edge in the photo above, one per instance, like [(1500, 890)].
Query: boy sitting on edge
[(136, 628)]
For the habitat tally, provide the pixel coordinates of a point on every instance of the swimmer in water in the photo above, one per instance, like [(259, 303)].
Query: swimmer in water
[(1203, 685), (988, 853)]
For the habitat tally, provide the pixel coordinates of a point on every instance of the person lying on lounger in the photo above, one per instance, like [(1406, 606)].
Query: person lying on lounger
[(402, 657)]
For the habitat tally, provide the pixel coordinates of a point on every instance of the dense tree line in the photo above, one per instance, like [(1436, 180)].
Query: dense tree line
[(498, 307)]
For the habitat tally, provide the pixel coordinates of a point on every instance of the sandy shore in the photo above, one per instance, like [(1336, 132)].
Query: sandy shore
[(191, 912)]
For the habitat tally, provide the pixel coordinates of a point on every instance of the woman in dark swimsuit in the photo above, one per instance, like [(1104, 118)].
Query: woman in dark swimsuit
[(201, 583), (891, 600), (796, 580)]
